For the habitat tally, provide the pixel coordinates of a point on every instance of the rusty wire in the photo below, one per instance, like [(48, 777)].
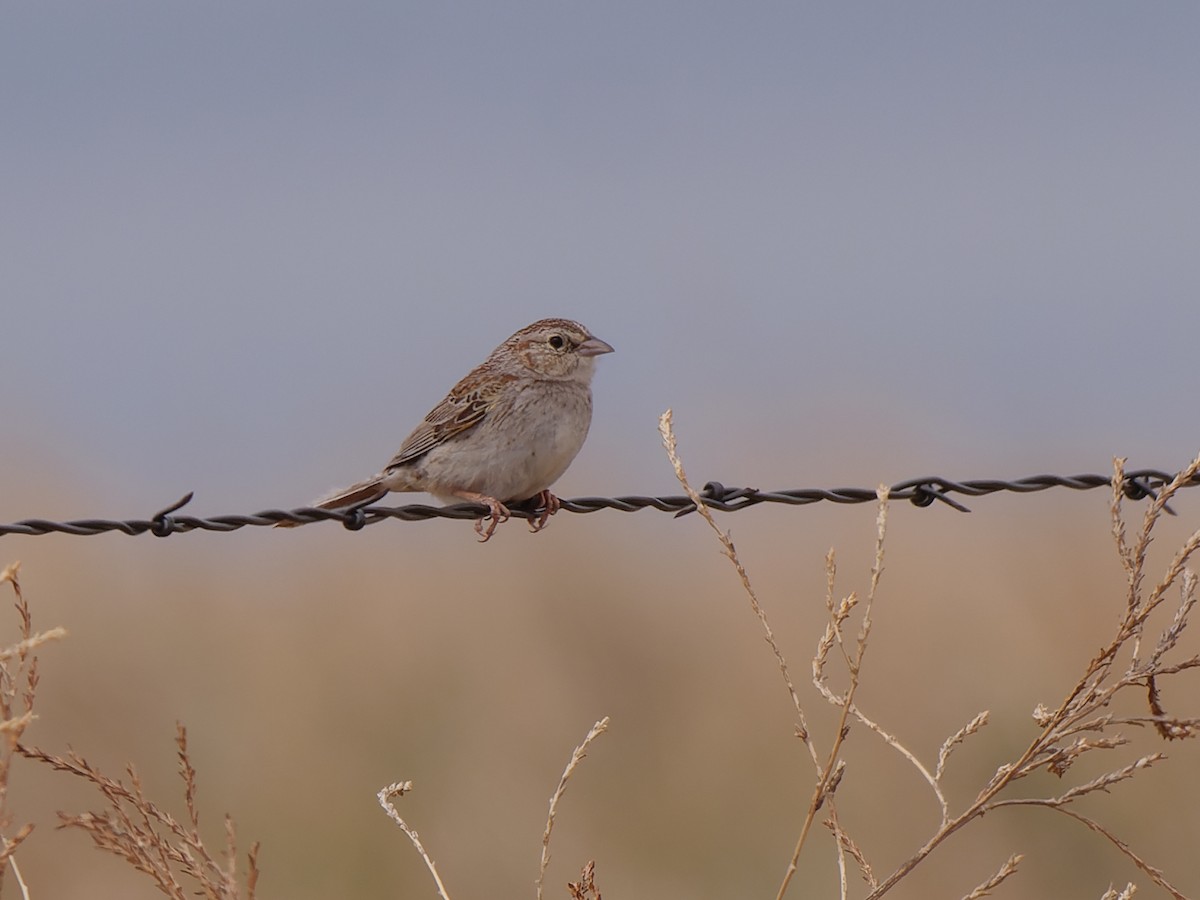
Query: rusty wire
[(920, 491)]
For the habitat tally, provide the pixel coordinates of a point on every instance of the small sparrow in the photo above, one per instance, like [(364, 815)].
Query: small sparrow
[(503, 434)]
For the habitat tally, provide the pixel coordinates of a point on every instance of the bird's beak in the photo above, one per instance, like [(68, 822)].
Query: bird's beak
[(593, 346)]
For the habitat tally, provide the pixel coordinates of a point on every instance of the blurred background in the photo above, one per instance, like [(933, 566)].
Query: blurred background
[(246, 247)]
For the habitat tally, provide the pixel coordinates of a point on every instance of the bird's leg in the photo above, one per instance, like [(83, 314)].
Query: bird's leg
[(497, 513), (549, 505)]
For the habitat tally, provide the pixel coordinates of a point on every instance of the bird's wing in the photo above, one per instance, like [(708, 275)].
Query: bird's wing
[(465, 407)]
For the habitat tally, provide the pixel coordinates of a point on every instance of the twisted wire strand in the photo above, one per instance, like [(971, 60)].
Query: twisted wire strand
[(920, 491)]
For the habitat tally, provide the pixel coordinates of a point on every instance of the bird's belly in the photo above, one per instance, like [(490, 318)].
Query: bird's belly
[(516, 455)]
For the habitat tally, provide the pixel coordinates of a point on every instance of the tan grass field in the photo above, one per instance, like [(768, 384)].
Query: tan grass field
[(314, 667)]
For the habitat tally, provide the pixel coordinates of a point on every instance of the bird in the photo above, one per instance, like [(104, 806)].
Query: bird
[(505, 433)]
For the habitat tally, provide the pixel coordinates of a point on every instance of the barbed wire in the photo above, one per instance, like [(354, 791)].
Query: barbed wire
[(921, 492)]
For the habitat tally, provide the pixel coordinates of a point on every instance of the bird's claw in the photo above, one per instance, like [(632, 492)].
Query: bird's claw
[(549, 505), (485, 527), (497, 513)]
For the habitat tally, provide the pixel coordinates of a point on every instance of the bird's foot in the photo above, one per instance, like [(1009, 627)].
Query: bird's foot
[(497, 513), (549, 505)]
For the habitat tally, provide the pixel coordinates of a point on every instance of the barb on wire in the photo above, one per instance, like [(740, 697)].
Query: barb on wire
[(919, 491)]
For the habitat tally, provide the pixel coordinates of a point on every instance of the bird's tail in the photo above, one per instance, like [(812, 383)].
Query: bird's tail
[(360, 494)]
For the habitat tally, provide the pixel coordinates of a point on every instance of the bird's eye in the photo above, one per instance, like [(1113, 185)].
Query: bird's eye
[(557, 341)]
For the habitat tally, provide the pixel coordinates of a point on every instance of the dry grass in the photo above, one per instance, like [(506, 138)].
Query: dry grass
[(131, 826), (1120, 688), (1076, 726), (139, 831), (577, 757), (399, 789), (582, 890), (585, 887), (18, 687)]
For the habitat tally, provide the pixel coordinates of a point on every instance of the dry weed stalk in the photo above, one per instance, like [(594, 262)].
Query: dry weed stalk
[(1009, 868), (1077, 726), (18, 685), (830, 768), (150, 839), (583, 890), (399, 789), (577, 756)]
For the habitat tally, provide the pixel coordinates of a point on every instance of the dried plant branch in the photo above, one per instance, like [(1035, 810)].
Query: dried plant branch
[(577, 756), (830, 774), (802, 730), (1155, 873), (843, 878), (585, 888), (399, 789), (16, 870), (1078, 725), (1126, 894), (1082, 709), (1009, 868), (18, 688), (1101, 783), (834, 636), (847, 847), (1139, 606), (668, 437), (1170, 636), (150, 839), (931, 778), (955, 739), (25, 646), (1124, 552)]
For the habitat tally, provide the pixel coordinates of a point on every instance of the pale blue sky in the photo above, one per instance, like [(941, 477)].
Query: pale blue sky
[(245, 247)]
